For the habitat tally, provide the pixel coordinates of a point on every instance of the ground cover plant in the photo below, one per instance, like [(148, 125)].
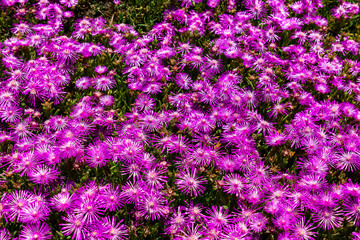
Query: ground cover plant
[(164, 119)]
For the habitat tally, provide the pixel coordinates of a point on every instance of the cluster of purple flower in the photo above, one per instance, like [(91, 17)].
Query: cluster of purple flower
[(85, 212), (223, 79)]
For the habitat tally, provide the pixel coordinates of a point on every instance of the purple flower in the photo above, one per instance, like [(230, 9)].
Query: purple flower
[(100, 69), (67, 53), (183, 80), (97, 155), (218, 217), (90, 209), (348, 161), (236, 231), (153, 88), (39, 231), (179, 145), (130, 150), (17, 201), (133, 193), (176, 222), (153, 205), (352, 213), (163, 142), (214, 65), (83, 83), (189, 183), (256, 8), (26, 163), (43, 174), (34, 213), (21, 129), (275, 139), (106, 100), (62, 202), (104, 83), (4, 235), (145, 102), (10, 114), (191, 232), (258, 222), (213, 3), (115, 230), (302, 230), (149, 120), (234, 184), (328, 218), (22, 27), (74, 225), (154, 177), (285, 221), (112, 197)]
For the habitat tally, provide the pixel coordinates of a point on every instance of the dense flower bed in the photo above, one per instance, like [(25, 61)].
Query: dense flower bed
[(226, 120)]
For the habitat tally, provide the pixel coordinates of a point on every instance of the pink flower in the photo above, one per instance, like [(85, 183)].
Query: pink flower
[(189, 183)]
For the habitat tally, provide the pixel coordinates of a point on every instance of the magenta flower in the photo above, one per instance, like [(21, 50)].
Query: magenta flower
[(100, 69), (258, 222), (132, 193), (34, 213), (26, 164), (104, 83), (106, 100), (234, 184), (21, 129), (145, 102), (43, 174), (218, 217), (348, 161), (179, 145), (183, 80), (97, 155), (153, 206), (189, 183), (130, 150), (112, 197), (176, 222), (22, 27), (328, 218), (214, 65), (90, 209), (352, 210), (83, 83), (191, 232), (4, 235), (154, 177), (10, 114), (116, 230), (303, 231), (285, 221), (17, 201), (150, 121), (74, 225), (39, 231), (213, 3), (62, 202)]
